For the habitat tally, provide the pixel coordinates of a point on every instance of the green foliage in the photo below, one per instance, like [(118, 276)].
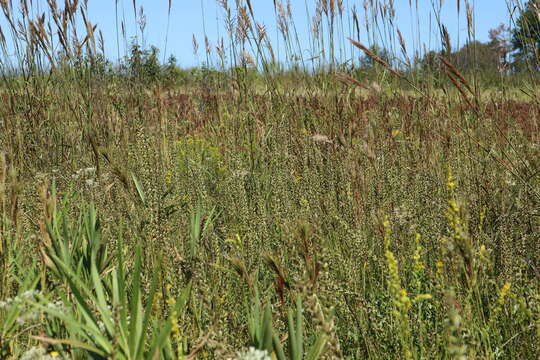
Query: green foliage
[(143, 66), (109, 318), (264, 337), (199, 226), (78, 245), (11, 312), (329, 192), (526, 36)]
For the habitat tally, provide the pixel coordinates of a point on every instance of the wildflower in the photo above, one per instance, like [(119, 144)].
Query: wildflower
[(39, 353), (168, 177), (440, 267), (401, 299), (417, 257), (253, 354), (483, 253), (175, 329), (451, 184), (482, 218), (321, 139), (505, 290)]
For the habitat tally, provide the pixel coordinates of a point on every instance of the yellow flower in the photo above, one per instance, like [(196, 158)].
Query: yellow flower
[(483, 253), (504, 292), (451, 184), (168, 177), (417, 257), (440, 266)]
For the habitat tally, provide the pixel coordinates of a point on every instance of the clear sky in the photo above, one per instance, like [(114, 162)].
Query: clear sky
[(197, 17)]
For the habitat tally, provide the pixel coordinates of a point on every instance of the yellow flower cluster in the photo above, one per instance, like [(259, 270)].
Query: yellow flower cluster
[(175, 329), (400, 298)]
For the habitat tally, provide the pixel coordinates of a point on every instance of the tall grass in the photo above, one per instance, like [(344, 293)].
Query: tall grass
[(274, 205)]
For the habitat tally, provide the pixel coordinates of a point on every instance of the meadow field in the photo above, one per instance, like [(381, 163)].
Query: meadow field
[(264, 210)]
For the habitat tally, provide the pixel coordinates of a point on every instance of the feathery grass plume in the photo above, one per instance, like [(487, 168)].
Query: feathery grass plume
[(250, 9), (282, 19), (243, 25), (281, 283), (470, 22), (224, 4), (375, 58), (208, 46), (355, 21), (90, 29), (261, 32), (316, 22), (195, 45), (446, 40), (349, 80), (403, 47), (40, 38), (461, 91), (455, 72), (239, 266)]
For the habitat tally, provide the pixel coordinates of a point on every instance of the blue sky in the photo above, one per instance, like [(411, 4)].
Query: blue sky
[(197, 17)]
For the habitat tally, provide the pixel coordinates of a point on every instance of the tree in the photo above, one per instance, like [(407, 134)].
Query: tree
[(499, 39), (526, 36), (476, 56), (473, 56)]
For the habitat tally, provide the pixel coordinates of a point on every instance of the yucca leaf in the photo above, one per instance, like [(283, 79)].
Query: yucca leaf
[(278, 349), (146, 316), (267, 330), (293, 346), (299, 329), (101, 302), (318, 348), (135, 326), (76, 326)]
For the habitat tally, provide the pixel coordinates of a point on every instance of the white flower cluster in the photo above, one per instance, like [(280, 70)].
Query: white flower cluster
[(253, 354), (38, 353), (19, 300), (28, 313), (87, 175)]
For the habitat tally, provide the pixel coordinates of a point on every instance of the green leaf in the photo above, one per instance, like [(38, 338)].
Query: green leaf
[(139, 189), (101, 302), (267, 330), (293, 346), (278, 349), (299, 329), (147, 314), (135, 328), (318, 348)]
